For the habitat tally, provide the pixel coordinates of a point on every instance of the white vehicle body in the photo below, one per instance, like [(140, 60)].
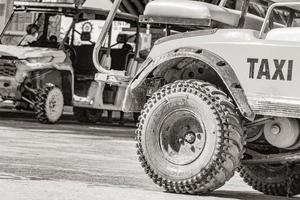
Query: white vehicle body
[(262, 91), (219, 100), (254, 61)]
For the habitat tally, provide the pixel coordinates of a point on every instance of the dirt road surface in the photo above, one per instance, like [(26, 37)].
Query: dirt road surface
[(69, 161)]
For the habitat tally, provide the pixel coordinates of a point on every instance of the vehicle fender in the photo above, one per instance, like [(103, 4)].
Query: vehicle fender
[(135, 95), (61, 78)]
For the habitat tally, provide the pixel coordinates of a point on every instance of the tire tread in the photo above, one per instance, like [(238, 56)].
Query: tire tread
[(230, 148)]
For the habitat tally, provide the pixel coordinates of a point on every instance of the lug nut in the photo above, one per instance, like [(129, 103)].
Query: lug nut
[(180, 140), (190, 137)]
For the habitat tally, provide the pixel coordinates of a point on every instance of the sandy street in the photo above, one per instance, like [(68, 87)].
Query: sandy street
[(69, 161)]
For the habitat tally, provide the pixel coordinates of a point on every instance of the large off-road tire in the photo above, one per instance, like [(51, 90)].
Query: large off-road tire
[(189, 138), (275, 180), (86, 115), (49, 104)]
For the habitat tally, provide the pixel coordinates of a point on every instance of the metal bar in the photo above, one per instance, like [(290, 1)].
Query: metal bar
[(108, 51), (102, 36), (291, 18), (139, 5), (72, 27), (6, 25), (137, 41), (174, 21), (45, 28), (168, 30), (129, 7), (271, 158), (30, 90), (40, 4), (47, 10), (259, 122), (244, 13), (271, 8), (271, 18), (123, 8), (28, 101), (222, 3)]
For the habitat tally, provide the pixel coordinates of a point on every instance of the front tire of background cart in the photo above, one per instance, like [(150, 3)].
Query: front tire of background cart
[(49, 104), (189, 137)]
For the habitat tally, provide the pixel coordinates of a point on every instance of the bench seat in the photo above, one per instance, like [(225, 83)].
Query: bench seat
[(291, 34)]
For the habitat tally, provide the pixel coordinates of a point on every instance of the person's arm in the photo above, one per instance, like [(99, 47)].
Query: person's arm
[(28, 39)]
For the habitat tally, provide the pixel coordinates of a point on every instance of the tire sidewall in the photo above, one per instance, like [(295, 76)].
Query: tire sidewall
[(58, 95), (150, 139)]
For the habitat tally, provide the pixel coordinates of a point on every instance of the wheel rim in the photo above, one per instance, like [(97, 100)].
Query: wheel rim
[(182, 137), (54, 105)]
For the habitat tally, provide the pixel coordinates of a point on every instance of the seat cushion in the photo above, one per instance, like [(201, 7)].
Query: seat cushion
[(284, 34)]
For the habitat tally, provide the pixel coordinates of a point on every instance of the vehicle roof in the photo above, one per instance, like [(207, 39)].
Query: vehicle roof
[(188, 14), (135, 7), (69, 9)]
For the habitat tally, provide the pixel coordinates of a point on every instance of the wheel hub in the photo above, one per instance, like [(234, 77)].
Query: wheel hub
[(275, 129), (283, 133), (182, 137), (54, 104), (190, 137)]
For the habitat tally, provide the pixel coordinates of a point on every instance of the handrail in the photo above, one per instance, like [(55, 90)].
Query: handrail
[(6, 25), (102, 36), (269, 12)]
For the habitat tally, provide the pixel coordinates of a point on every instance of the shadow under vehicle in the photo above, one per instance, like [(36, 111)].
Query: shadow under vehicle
[(225, 100)]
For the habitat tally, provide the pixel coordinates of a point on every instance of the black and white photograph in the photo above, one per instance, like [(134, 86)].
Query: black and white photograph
[(149, 99)]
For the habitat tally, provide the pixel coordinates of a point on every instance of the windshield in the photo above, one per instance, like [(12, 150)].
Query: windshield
[(92, 29), (33, 29)]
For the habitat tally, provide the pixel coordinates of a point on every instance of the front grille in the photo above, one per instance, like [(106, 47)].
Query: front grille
[(8, 68)]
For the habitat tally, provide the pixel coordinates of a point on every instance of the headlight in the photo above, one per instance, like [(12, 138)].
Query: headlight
[(45, 59)]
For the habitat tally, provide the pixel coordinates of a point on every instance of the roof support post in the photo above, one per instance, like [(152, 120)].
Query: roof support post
[(244, 13), (6, 25), (102, 36), (222, 3)]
